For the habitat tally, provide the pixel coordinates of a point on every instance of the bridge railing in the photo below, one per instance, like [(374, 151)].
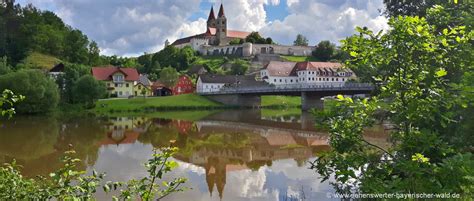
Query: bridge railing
[(235, 89)]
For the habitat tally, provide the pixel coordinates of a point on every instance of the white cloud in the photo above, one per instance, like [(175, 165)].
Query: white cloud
[(325, 20)]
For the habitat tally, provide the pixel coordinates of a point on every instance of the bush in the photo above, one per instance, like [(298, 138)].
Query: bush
[(42, 94)]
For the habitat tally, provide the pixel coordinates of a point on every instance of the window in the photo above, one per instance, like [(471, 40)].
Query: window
[(139, 86), (337, 79), (275, 80), (280, 80), (319, 79), (120, 93), (127, 85), (332, 79), (116, 85)]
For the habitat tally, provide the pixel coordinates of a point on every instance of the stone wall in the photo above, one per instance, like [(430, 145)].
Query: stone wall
[(249, 49)]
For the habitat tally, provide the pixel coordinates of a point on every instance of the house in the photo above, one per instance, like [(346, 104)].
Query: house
[(214, 83), (120, 82), (159, 89), (143, 86), (323, 73), (196, 70), (184, 85), (56, 71)]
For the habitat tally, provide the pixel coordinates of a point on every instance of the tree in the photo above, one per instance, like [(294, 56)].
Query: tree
[(87, 90), (41, 91), (300, 40), (169, 76), (424, 106), (94, 54), (7, 102), (324, 50), (395, 8), (236, 41), (239, 67), (4, 67), (255, 38)]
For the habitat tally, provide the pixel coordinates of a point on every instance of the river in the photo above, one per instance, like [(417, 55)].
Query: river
[(226, 155)]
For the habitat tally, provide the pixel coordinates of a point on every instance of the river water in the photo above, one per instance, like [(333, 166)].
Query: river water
[(226, 155)]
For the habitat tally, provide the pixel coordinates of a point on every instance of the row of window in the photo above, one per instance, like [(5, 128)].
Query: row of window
[(120, 85), (323, 73)]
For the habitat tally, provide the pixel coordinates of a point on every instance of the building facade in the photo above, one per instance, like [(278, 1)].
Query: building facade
[(291, 73), (184, 85), (120, 82)]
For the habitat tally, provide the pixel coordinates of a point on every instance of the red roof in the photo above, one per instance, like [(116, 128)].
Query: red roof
[(212, 32), (105, 73)]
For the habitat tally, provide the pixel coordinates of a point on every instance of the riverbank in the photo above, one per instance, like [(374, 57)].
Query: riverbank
[(180, 103)]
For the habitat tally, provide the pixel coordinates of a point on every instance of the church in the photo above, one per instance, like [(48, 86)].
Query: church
[(216, 33)]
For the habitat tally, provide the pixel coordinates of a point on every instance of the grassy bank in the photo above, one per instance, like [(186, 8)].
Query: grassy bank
[(184, 102)]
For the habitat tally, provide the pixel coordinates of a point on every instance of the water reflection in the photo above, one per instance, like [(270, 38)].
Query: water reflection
[(231, 155)]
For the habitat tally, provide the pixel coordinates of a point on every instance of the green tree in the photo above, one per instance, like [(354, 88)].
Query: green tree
[(300, 40), (395, 8), (87, 90), (256, 38), (169, 76), (324, 50), (7, 102), (4, 66), (94, 54), (41, 91), (239, 67), (424, 106), (75, 49)]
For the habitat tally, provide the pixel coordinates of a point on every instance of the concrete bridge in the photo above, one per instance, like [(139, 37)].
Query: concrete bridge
[(311, 94)]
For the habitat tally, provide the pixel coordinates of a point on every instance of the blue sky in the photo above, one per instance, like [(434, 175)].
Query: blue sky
[(131, 27)]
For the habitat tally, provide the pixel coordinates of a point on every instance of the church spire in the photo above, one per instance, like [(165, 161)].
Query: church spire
[(211, 14), (221, 11)]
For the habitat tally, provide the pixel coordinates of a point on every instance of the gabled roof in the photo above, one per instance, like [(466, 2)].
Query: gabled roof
[(317, 65), (229, 79), (280, 68), (143, 79), (105, 73), (237, 34), (57, 68)]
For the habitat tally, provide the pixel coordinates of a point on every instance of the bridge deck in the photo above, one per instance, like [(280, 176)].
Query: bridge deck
[(293, 89)]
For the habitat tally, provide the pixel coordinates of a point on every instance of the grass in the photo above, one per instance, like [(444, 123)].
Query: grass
[(41, 61), (187, 101), (299, 58), (214, 62), (287, 101)]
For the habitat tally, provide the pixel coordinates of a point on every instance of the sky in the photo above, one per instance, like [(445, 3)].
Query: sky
[(132, 27)]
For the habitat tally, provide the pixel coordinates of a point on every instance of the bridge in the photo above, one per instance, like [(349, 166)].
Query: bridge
[(311, 94)]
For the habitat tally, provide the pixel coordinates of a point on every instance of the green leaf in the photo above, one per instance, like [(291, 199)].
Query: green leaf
[(458, 39), (340, 97), (419, 28), (445, 31), (353, 54), (441, 73), (455, 1)]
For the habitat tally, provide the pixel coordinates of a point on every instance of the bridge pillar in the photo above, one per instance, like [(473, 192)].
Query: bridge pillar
[(241, 100), (310, 101), (307, 120)]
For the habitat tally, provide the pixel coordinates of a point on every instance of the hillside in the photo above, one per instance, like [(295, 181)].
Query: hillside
[(40, 61)]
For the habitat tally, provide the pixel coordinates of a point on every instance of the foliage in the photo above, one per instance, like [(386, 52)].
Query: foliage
[(236, 41), (67, 81), (28, 29), (395, 8), (239, 67), (36, 60), (169, 76), (4, 66), (324, 50), (413, 63), (255, 38), (300, 40), (178, 58), (67, 183), (87, 90), (41, 92), (7, 102)]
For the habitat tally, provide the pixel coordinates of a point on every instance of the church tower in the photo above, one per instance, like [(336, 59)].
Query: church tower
[(221, 27), (211, 20)]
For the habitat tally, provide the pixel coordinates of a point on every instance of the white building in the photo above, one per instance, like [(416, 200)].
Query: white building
[(214, 83), (316, 73)]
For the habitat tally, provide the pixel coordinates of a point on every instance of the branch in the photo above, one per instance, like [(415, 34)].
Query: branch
[(373, 145)]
